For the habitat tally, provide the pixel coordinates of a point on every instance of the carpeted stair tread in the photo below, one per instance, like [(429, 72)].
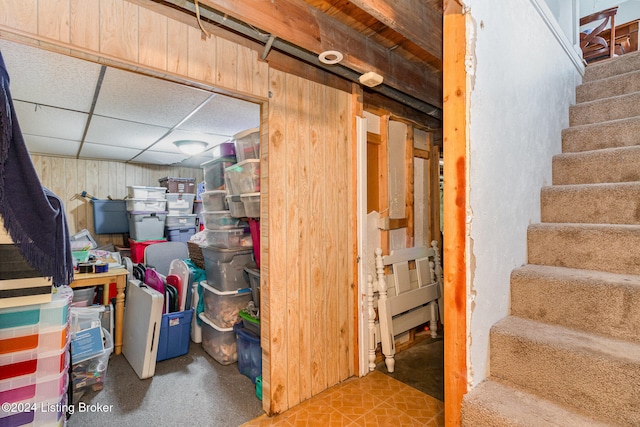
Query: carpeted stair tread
[(619, 84), (590, 167), (602, 247), (608, 203), (574, 298), (602, 110), (499, 404), (584, 370), (620, 65), (607, 134)]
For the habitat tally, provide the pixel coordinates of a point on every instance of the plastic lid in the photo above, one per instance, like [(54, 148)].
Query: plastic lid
[(218, 160), (208, 321), (217, 292), (244, 133), (250, 195), (242, 163), (147, 212)]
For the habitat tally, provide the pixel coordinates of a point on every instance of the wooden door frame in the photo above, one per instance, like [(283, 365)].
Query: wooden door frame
[(455, 154)]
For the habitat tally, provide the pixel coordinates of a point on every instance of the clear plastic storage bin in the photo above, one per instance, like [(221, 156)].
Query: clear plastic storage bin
[(141, 192), (251, 202), (219, 343), (247, 144), (214, 171), (147, 205), (243, 177), (181, 220), (180, 203), (222, 307), (224, 268), (236, 207), (219, 220), (214, 200), (229, 239)]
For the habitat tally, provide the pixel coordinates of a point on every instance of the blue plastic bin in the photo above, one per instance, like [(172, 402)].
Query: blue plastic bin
[(249, 352), (175, 334), (110, 216)]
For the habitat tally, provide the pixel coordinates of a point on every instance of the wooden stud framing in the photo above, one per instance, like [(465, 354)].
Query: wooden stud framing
[(409, 187), (383, 179)]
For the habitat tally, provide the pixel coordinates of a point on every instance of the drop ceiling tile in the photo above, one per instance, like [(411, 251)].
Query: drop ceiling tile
[(166, 144), (107, 152), (145, 99), (51, 146), (196, 161), (226, 115), (49, 78), (122, 133), (160, 158), (36, 119)]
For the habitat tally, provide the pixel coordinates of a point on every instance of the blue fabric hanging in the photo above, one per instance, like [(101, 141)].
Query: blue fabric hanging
[(33, 216)]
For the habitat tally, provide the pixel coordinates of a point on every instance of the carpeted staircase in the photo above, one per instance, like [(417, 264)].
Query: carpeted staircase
[(569, 353)]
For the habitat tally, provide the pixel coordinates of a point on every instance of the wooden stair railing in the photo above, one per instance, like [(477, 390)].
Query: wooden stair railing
[(594, 46)]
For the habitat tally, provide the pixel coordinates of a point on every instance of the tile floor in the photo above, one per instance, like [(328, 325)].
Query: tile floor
[(374, 400)]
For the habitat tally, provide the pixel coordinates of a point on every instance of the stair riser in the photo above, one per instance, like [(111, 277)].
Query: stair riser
[(621, 107), (536, 295), (594, 204), (576, 378), (623, 133), (623, 64), (612, 249), (613, 86), (595, 167)]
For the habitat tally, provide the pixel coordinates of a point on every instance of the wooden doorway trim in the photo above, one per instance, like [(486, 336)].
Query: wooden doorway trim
[(455, 137)]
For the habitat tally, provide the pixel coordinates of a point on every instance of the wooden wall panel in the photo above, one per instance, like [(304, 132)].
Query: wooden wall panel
[(202, 56), (310, 191), (85, 24), (52, 24), (67, 177), (177, 47), (226, 65), (277, 319), (119, 29), (153, 39), (20, 14)]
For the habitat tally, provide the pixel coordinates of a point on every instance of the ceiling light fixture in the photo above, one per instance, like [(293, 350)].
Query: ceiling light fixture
[(190, 146), (330, 57)]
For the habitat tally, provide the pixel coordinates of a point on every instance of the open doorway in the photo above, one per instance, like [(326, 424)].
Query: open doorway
[(399, 200)]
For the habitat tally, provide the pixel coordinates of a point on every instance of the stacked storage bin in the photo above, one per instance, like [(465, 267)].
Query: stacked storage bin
[(181, 221), (243, 184), (34, 362), (146, 211)]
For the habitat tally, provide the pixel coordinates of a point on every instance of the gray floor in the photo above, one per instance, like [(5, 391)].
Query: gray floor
[(189, 390), (421, 366)]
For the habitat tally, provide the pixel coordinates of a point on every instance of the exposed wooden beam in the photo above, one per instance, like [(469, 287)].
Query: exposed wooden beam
[(400, 15), (306, 27), (379, 104)]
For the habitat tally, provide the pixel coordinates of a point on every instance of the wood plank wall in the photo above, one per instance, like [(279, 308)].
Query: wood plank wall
[(124, 34), (309, 280), (307, 232), (67, 177)]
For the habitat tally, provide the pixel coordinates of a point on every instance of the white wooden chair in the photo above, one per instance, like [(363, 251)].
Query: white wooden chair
[(409, 302)]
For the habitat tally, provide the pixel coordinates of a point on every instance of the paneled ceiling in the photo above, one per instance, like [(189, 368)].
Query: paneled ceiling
[(71, 107)]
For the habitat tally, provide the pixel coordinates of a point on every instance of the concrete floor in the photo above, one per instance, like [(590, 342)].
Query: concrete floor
[(189, 390)]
